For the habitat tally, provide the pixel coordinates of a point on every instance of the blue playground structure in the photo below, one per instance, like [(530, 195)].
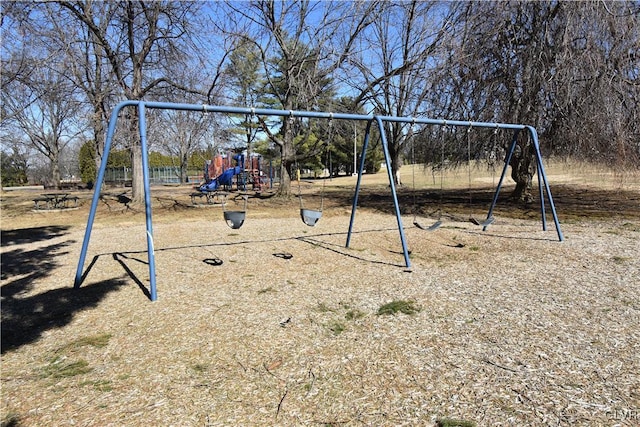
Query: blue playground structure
[(543, 184), (225, 170), (225, 178)]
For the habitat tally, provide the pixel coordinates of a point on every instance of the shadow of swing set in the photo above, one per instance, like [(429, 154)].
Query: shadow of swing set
[(235, 219)]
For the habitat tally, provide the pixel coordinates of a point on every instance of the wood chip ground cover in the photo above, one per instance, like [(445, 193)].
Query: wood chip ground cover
[(514, 328)]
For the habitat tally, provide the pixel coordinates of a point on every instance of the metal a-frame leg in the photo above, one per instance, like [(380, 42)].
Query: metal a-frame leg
[(542, 182)]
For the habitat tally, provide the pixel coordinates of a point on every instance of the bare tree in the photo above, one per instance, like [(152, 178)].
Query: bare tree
[(394, 61), (17, 62), (497, 69), (301, 44), (138, 40), (183, 134), (45, 30), (41, 110), (46, 110), (567, 68), (88, 65), (597, 84)]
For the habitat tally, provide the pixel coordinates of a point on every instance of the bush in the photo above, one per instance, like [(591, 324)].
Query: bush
[(87, 163)]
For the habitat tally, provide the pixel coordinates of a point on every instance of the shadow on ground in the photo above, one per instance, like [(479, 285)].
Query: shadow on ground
[(26, 316), (572, 202), (25, 319)]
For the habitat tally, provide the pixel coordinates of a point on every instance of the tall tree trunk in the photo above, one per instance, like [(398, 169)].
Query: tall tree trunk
[(523, 162), (137, 177), (284, 190), (287, 154), (396, 163), (288, 161), (523, 168), (394, 145), (97, 124), (55, 169), (184, 168)]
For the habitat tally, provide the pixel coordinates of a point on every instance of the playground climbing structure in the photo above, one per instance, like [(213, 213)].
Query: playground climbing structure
[(224, 169)]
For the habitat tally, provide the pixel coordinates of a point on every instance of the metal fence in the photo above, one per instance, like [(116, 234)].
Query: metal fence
[(157, 175)]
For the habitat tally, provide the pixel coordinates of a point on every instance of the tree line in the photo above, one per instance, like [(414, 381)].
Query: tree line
[(570, 69)]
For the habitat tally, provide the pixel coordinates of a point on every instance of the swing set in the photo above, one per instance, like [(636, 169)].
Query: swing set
[(235, 219)]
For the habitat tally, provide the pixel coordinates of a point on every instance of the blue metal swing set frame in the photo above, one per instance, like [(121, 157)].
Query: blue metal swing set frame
[(142, 106)]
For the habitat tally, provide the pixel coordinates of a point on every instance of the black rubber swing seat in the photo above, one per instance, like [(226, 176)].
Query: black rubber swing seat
[(234, 219), (310, 217), (433, 227), (486, 222)]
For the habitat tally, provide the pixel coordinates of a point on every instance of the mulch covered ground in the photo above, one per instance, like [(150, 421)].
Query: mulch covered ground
[(278, 323)]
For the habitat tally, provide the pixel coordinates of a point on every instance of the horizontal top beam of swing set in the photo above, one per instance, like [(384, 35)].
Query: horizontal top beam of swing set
[(315, 114)]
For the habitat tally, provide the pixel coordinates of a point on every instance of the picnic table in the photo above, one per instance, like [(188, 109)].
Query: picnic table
[(211, 197), (55, 201)]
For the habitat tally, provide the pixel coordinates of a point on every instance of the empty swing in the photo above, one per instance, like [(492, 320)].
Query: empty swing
[(438, 223), (490, 219), (235, 219), (311, 216)]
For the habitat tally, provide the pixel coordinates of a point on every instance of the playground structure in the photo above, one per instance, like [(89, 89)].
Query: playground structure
[(543, 185), (221, 172)]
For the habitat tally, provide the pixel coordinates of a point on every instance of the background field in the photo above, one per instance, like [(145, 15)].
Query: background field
[(279, 324)]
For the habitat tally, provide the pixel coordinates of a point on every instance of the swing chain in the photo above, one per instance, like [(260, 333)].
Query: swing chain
[(330, 131), (492, 148), (326, 160), (310, 216), (438, 223)]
